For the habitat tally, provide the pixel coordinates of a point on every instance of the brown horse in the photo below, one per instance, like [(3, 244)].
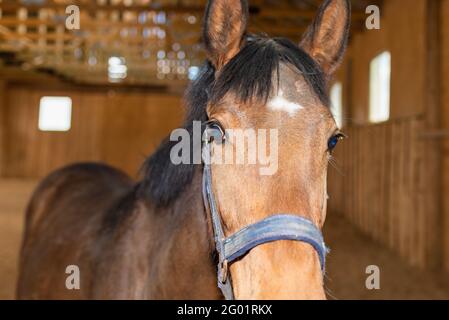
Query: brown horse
[(154, 240)]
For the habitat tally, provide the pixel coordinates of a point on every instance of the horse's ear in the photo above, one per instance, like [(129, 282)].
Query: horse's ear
[(327, 38), (224, 29)]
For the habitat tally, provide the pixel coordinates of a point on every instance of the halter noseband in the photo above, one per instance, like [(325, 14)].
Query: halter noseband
[(274, 228)]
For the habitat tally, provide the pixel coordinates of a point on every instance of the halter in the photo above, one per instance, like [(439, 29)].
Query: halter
[(274, 228)]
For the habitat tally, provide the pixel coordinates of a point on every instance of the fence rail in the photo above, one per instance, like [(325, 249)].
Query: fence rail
[(383, 186)]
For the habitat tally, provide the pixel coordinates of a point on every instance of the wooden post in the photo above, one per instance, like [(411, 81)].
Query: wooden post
[(445, 115), (432, 155), (2, 124)]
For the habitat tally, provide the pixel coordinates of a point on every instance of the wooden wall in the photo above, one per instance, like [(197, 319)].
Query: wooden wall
[(445, 124), (381, 191), (389, 181), (402, 33), (2, 122), (117, 127)]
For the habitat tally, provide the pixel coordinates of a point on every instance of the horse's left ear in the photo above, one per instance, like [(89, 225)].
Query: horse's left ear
[(224, 28), (327, 38)]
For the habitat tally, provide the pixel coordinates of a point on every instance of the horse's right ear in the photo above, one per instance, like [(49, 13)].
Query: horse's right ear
[(224, 29)]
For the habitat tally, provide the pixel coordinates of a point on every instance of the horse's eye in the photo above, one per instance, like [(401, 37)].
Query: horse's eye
[(333, 141), (215, 132)]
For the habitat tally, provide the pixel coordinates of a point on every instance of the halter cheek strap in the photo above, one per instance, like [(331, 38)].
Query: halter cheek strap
[(275, 228)]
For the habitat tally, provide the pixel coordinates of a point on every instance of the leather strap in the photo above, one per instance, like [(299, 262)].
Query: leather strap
[(275, 228)]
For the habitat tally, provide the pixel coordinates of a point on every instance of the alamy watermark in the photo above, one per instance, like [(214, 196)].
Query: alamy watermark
[(373, 280), (73, 19), (373, 20), (257, 147), (73, 280)]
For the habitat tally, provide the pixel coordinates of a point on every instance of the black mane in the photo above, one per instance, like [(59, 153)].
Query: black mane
[(249, 76)]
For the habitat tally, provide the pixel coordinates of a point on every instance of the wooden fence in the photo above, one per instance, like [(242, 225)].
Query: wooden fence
[(383, 185)]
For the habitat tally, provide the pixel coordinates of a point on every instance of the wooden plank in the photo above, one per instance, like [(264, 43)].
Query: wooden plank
[(386, 185), (2, 124), (421, 205), (382, 187), (414, 190), (433, 158), (444, 74), (402, 193)]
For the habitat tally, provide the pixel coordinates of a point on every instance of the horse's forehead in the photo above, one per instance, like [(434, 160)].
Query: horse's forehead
[(292, 94), (292, 97), (294, 83)]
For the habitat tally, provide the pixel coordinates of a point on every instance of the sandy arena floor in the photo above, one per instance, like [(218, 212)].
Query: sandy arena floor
[(351, 253)]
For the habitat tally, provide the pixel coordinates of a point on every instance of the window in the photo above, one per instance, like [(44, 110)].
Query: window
[(193, 72), (379, 93), (117, 70), (337, 103), (55, 114)]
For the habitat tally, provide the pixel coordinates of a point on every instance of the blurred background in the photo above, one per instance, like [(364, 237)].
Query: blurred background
[(111, 89)]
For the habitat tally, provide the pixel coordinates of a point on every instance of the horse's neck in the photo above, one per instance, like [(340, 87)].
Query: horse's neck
[(190, 271)]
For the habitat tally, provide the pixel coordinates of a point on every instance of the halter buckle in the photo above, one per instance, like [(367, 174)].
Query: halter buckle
[(224, 269)]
